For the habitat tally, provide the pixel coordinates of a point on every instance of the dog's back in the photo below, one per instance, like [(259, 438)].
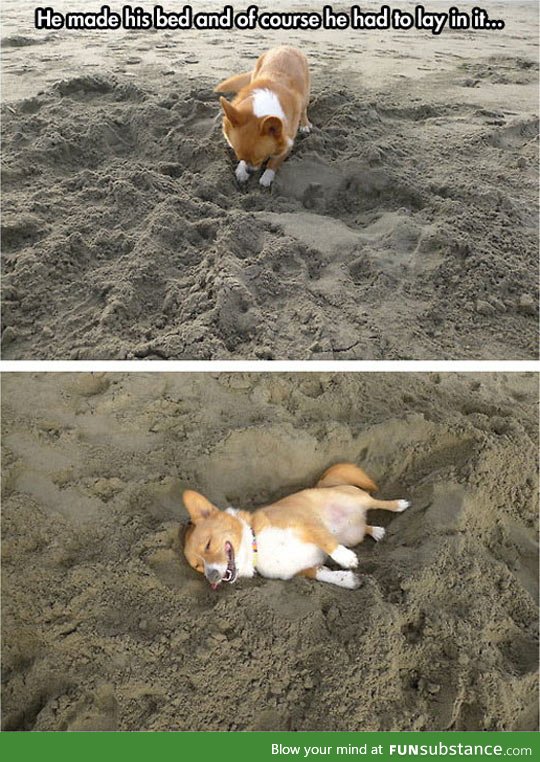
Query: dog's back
[(285, 65)]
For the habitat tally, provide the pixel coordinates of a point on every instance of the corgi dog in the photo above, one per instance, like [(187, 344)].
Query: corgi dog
[(290, 537), (270, 107)]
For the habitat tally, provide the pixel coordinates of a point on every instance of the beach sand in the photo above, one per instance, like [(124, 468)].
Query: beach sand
[(105, 627), (404, 226)]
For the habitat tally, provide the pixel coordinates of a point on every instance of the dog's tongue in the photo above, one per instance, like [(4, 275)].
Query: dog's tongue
[(215, 585)]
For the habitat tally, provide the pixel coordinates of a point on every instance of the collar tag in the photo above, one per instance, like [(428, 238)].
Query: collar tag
[(254, 548)]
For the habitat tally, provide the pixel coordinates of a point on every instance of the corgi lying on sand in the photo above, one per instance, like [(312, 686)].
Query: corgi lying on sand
[(290, 537), (271, 104)]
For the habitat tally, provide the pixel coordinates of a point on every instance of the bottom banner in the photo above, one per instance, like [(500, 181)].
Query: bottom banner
[(272, 746)]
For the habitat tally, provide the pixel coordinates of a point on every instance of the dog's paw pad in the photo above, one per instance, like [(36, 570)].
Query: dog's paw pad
[(267, 178), (378, 533), (403, 505), (345, 557)]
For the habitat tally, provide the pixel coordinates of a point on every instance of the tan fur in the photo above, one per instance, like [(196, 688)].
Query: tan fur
[(234, 84), (347, 473), (310, 573), (284, 71)]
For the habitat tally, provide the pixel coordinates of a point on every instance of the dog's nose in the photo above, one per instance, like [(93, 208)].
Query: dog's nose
[(212, 575)]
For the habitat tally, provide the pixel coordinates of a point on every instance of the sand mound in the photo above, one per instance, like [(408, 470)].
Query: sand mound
[(404, 226), (105, 627)]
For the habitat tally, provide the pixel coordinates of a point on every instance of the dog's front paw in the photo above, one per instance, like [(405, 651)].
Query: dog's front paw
[(344, 557), (305, 129), (403, 505), (267, 178), (347, 579), (242, 175), (378, 533)]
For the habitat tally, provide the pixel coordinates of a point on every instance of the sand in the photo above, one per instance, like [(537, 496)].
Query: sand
[(105, 627), (404, 226)]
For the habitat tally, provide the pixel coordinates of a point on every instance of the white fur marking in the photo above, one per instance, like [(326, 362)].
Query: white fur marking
[(244, 556), (340, 578), (305, 130), (378, 533), (403, 505), (345, 557), (267, 178), (241, 172), (266, 103), (281, 553)]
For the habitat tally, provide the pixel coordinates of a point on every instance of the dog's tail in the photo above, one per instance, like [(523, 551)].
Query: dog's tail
[(347, 473), (234, 84)]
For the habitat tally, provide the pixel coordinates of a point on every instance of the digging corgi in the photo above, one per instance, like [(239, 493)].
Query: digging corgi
[(270, 106), (290, 537)]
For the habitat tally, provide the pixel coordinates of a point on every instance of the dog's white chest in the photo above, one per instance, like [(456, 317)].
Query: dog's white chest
[(281, 553)]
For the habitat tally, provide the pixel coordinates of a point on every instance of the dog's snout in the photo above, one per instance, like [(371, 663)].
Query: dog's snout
[(212, 575)]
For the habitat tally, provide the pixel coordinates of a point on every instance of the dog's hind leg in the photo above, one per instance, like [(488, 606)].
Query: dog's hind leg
[(396, 506), (376, 532), (340, 578), (305, 124), (320, 536)]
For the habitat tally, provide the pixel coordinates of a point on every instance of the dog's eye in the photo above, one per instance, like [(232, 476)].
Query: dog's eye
[(207, 545)]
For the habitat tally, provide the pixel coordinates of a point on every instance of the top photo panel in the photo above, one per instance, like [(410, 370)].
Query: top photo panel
[(290, 181)]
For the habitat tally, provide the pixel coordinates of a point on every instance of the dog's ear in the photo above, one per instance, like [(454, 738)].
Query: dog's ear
[(198, 507), (272, 125), (230, 112)]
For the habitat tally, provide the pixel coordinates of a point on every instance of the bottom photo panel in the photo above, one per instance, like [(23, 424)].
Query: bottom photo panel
[(269, 551)]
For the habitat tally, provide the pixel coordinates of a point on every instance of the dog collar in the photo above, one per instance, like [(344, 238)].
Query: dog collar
[(254, 548)]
